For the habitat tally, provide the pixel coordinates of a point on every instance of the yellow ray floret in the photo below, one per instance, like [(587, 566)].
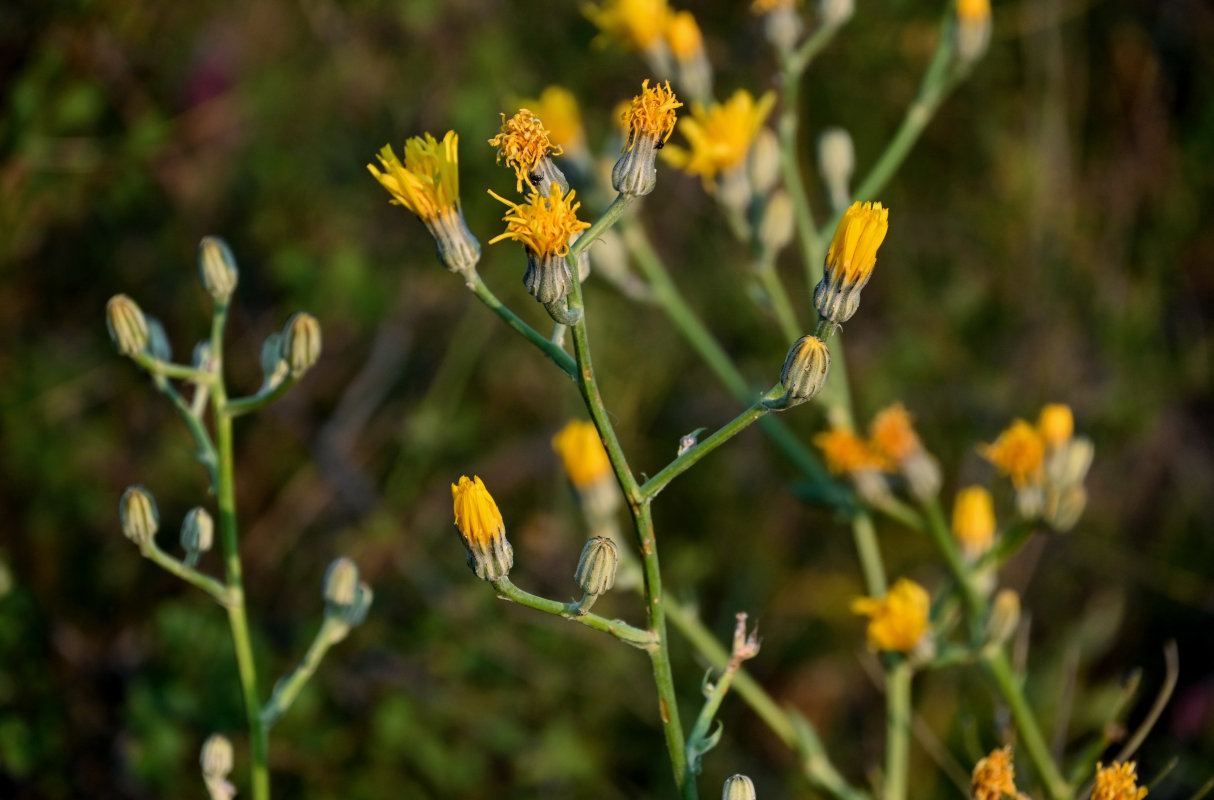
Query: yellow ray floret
[(476, 514), (581, 450), (974, 520), (853, 250), (973, 10), (635, 23), (651, 114), (993, 776), (898, 620), (1018, 453), (1117, 782), (558, 108), (1056, 424), (544, 225), (522, 142), (845, 452), (427, 183), (720, 136), (892, 433)]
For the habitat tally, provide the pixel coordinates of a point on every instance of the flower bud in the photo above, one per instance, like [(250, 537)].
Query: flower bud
[(356, 612), (1068, 465), (301, 342), (777, 226), (216, 756), (547, 278), (138, 515), (782, 26), (201, 359), (763, 163), (738, 787), (158, 341), (850, 261), (973, 34), (341, 584), (1005, 616), (482, 530), (197, 531), (835, 12), (974, 521), (836, 161), (596, 567), (217, 268), (635, 172), (1063, 508), (127, 325), (805, 369)]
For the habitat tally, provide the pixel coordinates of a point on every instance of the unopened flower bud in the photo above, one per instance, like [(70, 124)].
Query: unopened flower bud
[(836, 161), (482, 530), (127, 325), (216, 756), (835, 12), (138, 514), (158, 341), (763, 163), (738, 787), (197, 531), (201, 359), (341, 584), (973, 29), (547, 278), (356, 613), (782, 26), (301, 342), (777, 226), (805, 369), (217, 268), (1005, 616), (850, 261), (1063, 508), (974, 521), (1068, 465), (596, 567)]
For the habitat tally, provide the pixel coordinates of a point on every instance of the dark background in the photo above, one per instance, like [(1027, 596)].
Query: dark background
[(1048, 242)]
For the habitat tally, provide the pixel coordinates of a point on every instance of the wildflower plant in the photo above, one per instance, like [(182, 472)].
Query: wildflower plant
[(754, 174), (195, 389)]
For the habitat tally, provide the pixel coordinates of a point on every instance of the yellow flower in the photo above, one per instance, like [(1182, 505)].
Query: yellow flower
[(766, 6), (581, 449), (993, 777), (846, 452), (1018, 453), (720, 136), (853, 250), (1056, 424), (1117, 782), (523, 141), (891, 433), (482, 530), (636, 23), (973, 10), (427, 183), (683, 35), (558, 108), (651, 114), (974, 520), (898, 620), (542, 224)]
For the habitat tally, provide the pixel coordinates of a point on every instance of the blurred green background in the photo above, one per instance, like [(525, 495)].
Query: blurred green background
[(1049, 241)]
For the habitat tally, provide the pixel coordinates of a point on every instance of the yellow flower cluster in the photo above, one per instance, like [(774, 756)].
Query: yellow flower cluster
[(993, 776), (543, 224), (1018, 453), (720, 135), (897, 621), (847, 453), (1118, 782), (892, 433), (522, 142), (427, 182), (651, 114)]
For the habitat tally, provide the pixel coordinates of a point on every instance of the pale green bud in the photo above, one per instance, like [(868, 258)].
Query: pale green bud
[(217, 268), (782, 26), (596, 567), (836, 161), (341, 584), (158, 341), (127, 326), (763, 163), (216, 756), (777, 226), (197, 531), (1063, 508), (354, 614), (201, 359), (635, 172), (805, 369), (301, 342), (547, 278), (738, 787), (138, 514), (1005, 616), (546, 174), (836, 12)]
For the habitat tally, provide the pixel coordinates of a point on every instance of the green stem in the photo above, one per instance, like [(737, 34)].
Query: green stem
[(869, 553), (550, 349), (237, 619), (801, 58), (654, 485), (243, 405), (289, 687), (897, 731), (621, 630), (206, 454), (608, 218), (156, 367), (786, 317), (975, 606), (998, 667), (188, 574), (790, 166)]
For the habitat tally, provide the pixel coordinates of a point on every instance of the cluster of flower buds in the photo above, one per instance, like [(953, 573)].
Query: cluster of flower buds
[(891, 456), (347, 598)]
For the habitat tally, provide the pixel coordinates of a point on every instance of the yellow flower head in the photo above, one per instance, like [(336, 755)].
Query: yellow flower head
[(523, 141), (476, 515), (1056, 424), (993, 777), (542, 224), (1018, 453), (846, 452), (720, 135), (427, 183), (651, 114), (683, 35), (581, 449), (973, 10), (1117, 782), (636, 23), (974, 520), (558, 108), (853, 250), (758, 7), (898, 620), (891, 433)]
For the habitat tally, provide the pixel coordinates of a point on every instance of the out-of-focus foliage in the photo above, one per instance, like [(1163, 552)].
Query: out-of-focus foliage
[(1049, 240)]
